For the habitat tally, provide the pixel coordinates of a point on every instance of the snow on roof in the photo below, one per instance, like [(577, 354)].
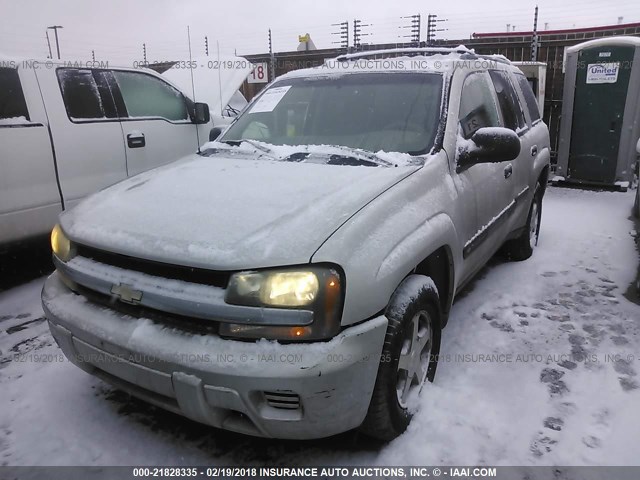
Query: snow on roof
[(401, 60), (333, 67), (425, 50), (603, 42)]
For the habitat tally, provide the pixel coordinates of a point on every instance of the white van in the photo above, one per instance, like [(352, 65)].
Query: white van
[(68, 130)]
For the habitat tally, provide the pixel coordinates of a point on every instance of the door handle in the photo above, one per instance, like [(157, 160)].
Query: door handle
[(534, 150), (508, 171), (136, 140)]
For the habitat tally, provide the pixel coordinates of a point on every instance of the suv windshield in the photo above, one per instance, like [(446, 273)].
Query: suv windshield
[(393, 112)]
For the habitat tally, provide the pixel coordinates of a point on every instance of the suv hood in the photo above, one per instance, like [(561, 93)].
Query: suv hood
[(224, 212)]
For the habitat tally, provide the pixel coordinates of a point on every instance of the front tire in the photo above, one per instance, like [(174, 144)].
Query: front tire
[(522, 247), (409, 356)]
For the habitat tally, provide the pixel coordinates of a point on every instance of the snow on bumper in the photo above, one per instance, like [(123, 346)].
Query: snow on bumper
[(258, 388)]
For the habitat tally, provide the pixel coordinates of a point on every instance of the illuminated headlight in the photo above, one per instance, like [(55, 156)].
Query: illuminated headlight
[(278, 289), (61, 245), (316, 289)]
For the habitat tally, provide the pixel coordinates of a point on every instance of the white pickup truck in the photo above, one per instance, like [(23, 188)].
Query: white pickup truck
[(67, 131)]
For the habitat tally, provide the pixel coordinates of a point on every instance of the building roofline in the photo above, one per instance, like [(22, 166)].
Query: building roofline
[(557, 32)]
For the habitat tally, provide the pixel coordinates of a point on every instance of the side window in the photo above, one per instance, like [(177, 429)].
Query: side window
[(478, 107), (147, 96), (104, 81), (508, 100), (80, 94), (529, 97), (12, 103)]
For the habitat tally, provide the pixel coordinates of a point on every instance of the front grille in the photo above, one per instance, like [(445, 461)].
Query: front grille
[(283, 400), (157, 269), (180, 322)]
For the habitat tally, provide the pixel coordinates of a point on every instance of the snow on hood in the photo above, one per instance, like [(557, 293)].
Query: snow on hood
[(215, 86), (227, 211)]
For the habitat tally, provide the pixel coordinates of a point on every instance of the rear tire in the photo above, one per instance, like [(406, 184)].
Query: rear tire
[(636, 204), (409, 356), (522, 247)]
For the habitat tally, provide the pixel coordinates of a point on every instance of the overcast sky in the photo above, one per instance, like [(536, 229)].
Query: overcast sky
[(116, 29)]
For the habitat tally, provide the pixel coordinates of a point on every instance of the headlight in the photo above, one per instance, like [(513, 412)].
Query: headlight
[(317, 289), (61, 245), (278, 289)]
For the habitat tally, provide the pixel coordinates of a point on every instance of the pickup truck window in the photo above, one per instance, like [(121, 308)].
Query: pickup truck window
[(529, 97), (80, 94), (478, 107), (397, 112), (508, 100), (147, 96), (13, 107)]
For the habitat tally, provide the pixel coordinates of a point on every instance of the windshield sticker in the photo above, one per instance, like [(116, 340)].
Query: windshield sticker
[(270, 99), (603, 72)]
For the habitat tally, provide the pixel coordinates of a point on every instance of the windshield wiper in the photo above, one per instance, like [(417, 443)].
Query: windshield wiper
[(340, 155), (253, 143), (223, 145), (360, 155), (350, 161), (257, 145)]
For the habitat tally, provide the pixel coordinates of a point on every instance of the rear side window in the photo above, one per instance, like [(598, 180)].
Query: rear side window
[(508, 100), (478, 107), (147, 96), (12, 103), (80, 94), (529, 97)]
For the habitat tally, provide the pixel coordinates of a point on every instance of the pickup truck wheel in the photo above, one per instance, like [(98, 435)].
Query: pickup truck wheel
[(522, 247), (409, 356)]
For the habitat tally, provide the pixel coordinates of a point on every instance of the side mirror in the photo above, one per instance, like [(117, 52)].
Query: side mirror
[(489, 145), (214, 133), (201, 113)]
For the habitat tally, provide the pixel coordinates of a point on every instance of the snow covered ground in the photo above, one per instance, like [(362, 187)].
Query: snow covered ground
[(539, 367)]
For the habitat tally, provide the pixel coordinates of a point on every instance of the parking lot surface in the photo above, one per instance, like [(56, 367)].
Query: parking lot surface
[(539, 366)]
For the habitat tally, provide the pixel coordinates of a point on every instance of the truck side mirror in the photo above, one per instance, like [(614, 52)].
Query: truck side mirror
[(201, 113), (489, 145)]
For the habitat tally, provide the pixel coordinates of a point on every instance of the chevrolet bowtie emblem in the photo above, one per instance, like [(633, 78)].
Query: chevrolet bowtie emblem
[(126, 294)]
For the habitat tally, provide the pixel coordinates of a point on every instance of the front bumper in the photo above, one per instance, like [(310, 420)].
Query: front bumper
[(296, 391)]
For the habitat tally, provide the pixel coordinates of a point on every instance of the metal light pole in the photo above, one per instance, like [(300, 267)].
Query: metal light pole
[(55, 30), (46, 32)]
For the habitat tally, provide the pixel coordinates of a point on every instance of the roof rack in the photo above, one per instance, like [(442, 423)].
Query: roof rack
[(497, 57), (424, 51), (407, 51)]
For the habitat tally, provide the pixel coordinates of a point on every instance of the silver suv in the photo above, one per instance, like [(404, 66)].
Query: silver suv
[(293, 278)]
